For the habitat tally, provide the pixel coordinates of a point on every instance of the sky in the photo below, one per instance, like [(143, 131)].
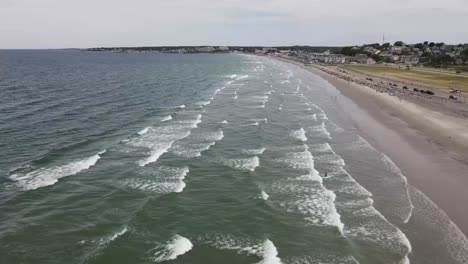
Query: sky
[(107, 23)]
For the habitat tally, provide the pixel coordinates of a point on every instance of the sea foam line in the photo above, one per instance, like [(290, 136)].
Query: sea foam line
[(161, 139), (394, 168), (318, 206), (49, 176), (299, 134), (176, 247), (270, 253), (166, 118), (248, 164), (368, 212), (161, 180)]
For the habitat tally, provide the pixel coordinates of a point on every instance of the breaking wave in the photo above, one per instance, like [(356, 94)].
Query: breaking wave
[(49, 176)]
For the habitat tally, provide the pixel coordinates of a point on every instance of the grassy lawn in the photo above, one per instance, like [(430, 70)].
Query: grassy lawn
[(432, 80)]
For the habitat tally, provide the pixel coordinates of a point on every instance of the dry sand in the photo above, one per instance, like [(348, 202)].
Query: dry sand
[(430, 147)]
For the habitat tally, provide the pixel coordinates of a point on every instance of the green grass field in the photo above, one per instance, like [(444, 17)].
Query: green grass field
[(434, 80)]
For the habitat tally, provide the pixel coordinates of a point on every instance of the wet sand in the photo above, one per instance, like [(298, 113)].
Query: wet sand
[(430, 150)]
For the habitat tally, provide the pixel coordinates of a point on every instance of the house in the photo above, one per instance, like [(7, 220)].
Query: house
[(206, 49), (336, 59), (370, 61), (369, 49), (396, 49), (223, 48), (409, 59), (361, 58)]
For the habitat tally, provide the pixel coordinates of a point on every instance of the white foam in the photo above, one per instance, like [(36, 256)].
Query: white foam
[(323, 147), (260, 98), (49, 176), (178, 246), (314, 117), (248, 164), (320, 130), (213, 136), (156, 152), (191, 150), (198, 144), (264, 195), (224, 122), (299, 134), (104, 241), (166, 118), (118, 233), (144, 131), (203, 103), (394, 168), (318, 205), (241, 77), (160, 180), (264, 120), (159, 140), (228, 242), (270, 253), (181, 106), (235, 97), (233, 76), (254, 151)]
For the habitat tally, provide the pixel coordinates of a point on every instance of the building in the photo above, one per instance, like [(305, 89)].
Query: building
[(206, 49), (223, 48), (370, 61), (396, 49), (409, 59)]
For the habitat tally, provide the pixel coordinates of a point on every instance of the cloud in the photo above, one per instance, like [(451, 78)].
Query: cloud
[(85, 23)]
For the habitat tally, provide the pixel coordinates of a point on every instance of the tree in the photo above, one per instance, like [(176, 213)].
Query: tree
[(376, 57), (440, 44), (386, 45), (426, 43), (349, 51), (441, 60), (432, 44), (419, 46), (464, 54), (375, 45), (399, 43)]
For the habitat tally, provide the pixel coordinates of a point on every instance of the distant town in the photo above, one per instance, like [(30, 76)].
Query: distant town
[(425, 53)]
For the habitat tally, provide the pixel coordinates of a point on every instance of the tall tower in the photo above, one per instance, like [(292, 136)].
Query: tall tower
[(383, 38)]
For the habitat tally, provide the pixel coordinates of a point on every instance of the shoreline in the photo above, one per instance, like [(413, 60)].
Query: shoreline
[(432, 162)]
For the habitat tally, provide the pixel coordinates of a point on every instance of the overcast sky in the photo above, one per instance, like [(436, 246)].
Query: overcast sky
[(95, 23)]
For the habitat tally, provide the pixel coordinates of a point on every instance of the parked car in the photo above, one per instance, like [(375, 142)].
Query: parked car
[(429, 92), (453, 97), (416, 89), (405, 87)]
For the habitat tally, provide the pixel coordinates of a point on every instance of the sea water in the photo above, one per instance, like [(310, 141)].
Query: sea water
[(158, 158)]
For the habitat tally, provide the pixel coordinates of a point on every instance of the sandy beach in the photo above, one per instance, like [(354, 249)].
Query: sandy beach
[(430, 147)]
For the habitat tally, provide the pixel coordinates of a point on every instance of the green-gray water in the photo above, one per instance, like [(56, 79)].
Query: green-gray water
[(148, 158)]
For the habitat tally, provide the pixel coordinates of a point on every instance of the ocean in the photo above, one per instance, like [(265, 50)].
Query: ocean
[(168, 158)]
